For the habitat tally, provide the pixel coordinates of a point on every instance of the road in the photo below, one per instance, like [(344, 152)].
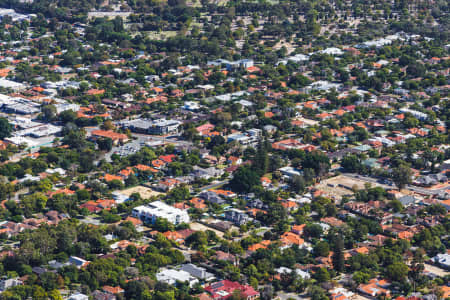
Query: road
[(214, 185), (412, 188)]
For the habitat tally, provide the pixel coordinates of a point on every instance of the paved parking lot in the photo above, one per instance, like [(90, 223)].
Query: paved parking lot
[(436, 270)]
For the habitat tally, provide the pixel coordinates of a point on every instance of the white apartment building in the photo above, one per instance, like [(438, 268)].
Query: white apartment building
[(150, 212)]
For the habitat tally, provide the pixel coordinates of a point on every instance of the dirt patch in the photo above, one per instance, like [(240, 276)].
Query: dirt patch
[(145, 192), (339, 186), (200, 227), (308, 122)]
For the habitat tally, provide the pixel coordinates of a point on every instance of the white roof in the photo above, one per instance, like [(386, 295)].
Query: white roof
[(171, 276), (78, 296), (299, 57), (10, 84), (443, 259), (323, 85), (302, 274), (30, 178), (284, 270), (332, 51), (40, 130), (245, 103), (159, 209), (18, 140), (56, 170)]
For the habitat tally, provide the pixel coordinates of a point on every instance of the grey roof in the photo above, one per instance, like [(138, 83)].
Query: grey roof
[(212, 197), (198, 272), (407, 200)]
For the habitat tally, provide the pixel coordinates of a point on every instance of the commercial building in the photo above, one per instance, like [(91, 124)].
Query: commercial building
[(159, 126), (60, 107), (157, 209), (9, 84), (18, 106), (197, 272), (171, 277), (114, 136), (20, 140), (163, 126), (39, 131), (443, 260)]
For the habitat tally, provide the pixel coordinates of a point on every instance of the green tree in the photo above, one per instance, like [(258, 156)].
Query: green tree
[(313, 230), (135, 289), (179, 193), (360, 277), (321, 249), (48, 112), (5, 128), (244, 180), (68, 116), (75, 138), (396, 205), (261, 161), (338, 254), (55, 295), (322, 275), (105, 144), (317, 293), (411, 122), (197, 240), (351, 163), (397, 271), (317, 161), (297, 183), (401, 176), (39, 293)]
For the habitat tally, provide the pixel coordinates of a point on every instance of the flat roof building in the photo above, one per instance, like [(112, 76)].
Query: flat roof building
[(171, 277), (9, 84), (157, 209), (159, 126), (19, 106), (39, 131)]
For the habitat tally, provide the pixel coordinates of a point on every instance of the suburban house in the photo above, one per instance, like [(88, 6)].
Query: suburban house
[(223, 289)]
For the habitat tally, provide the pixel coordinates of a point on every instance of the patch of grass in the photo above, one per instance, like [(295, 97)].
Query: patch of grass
[(154, 35), (268, 175)]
